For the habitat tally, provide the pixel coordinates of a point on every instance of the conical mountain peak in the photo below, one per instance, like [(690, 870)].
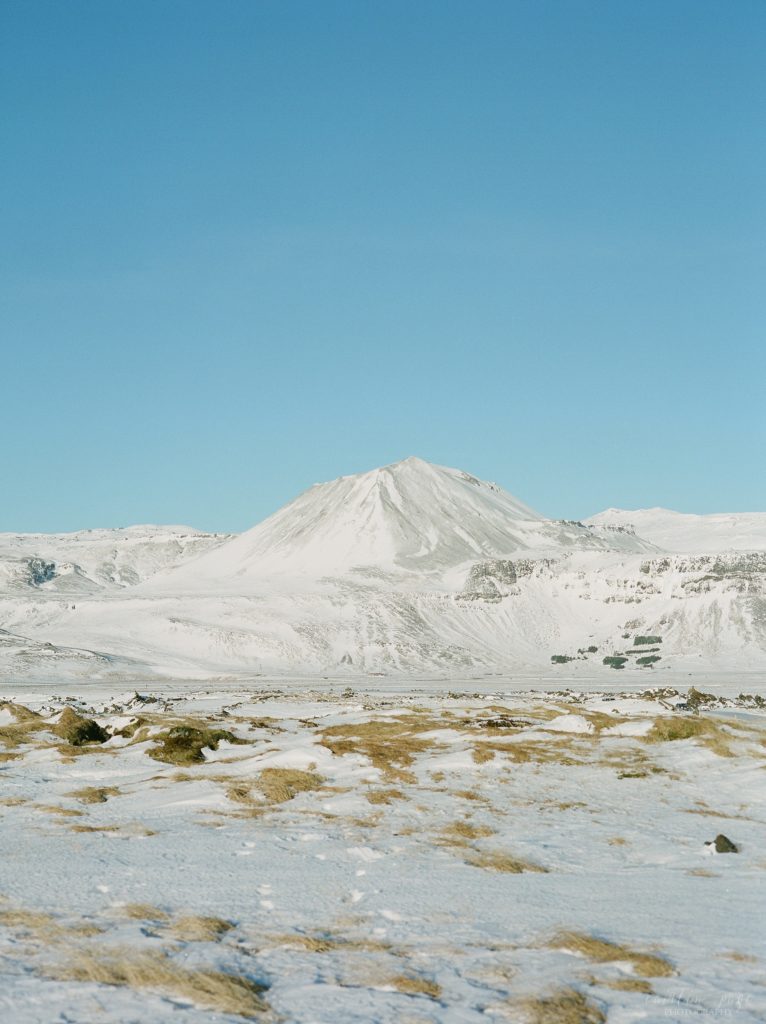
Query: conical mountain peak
[(411, 515)]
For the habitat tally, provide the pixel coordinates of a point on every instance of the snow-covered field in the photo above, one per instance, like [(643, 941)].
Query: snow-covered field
[(309, 854)]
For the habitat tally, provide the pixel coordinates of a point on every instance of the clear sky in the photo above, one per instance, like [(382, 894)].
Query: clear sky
[(252, 244)]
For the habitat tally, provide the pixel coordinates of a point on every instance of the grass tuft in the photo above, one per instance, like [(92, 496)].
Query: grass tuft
[(76, 730), (143, 912), (183, 744), (390, 744), (647, 965), (667, 730), (94, 794), (200, 929), (384, 796), (498, 860), (415, 986), (465, 830), (567, 1006), (211, 990), (279, 785)]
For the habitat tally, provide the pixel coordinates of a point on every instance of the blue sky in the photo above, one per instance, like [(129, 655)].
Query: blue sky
[(247, 246)]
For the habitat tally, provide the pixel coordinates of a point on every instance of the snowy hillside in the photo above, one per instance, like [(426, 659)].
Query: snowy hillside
[(681, 532), (90, 560), (411, 516), (412, 569)]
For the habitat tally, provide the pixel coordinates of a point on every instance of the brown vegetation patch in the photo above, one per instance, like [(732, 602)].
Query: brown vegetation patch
[(63, 812), (94, 794), (212, 990), (94, 828), (742, 958), (76, 730), (279, 785), (384, 796), (183, 744), (415, 986), (498, 860), (709, 733), (391, 744), (26, 723), (330, 943), (627, 984), (481, 754), (143, 912), (647, 965), (567, 1006), (200, 929), (36, 922), (465, 830)]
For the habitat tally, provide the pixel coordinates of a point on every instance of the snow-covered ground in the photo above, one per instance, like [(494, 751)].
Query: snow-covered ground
[(380, 856)]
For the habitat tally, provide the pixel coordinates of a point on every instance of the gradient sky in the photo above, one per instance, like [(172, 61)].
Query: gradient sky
[(247, 246)]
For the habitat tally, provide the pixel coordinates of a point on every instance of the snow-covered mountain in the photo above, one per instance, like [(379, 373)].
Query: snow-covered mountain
[(411, 517), (90, 560), (408, 569), (682, 532)]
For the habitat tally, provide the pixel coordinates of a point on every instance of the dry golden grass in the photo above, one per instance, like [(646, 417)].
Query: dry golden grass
[(13, 801), (279, 785), (390, 744), (481, 754), (183, 744), (498, 860), (22, 730), (469, 794), (708, 732), (33, 921), (414, 986), (63, 812), (94, 828), (742, 958), (200, 929), (330, 943), (702, 873), (211, 990), (44, 927), (20, 712), (384, 796), (465, 830), (143, 912), (618, 841), (77, 730), (568, 749), (94, 794), (647, 965), (567, 1006), (627, 984)]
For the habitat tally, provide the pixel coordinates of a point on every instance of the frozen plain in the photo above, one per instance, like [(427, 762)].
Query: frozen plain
[(371, 856)]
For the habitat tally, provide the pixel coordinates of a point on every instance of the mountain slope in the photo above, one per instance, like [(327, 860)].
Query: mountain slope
[(92, 560), (682, 532), (410, 517)]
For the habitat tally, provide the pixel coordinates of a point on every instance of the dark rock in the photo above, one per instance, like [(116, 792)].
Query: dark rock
[(723, 844)]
